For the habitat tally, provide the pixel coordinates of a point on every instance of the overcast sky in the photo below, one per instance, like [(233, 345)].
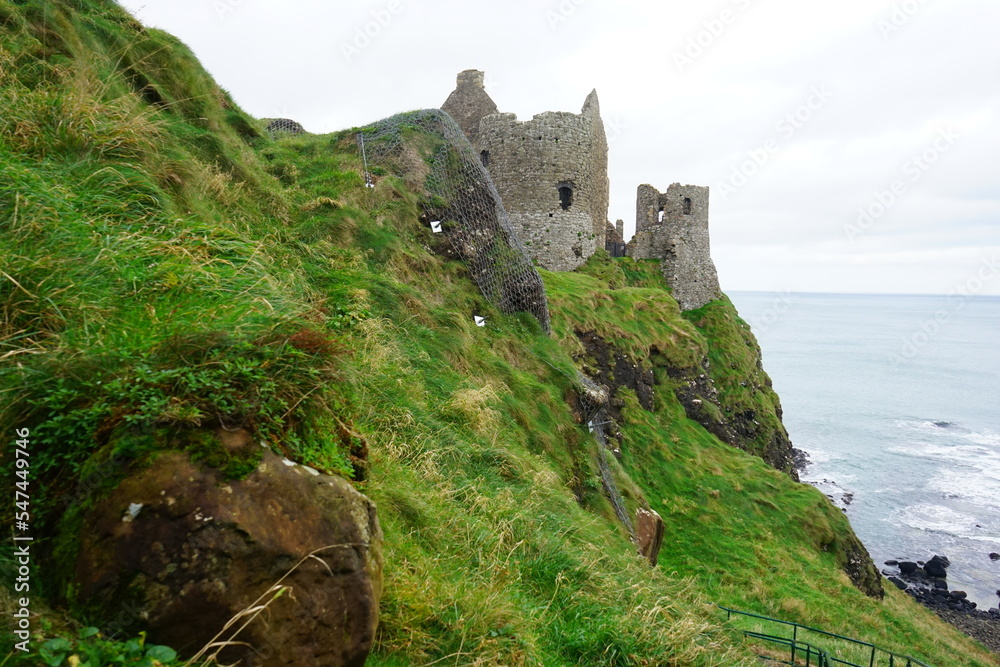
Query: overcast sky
[(851, 146)]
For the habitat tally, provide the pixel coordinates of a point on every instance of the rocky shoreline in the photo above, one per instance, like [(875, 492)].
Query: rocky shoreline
[(927, 583)]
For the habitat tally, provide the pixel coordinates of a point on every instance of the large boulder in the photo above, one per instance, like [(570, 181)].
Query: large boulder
[(187, 551), (936, 567)]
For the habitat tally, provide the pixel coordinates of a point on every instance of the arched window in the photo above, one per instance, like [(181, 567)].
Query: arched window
[(565, 197), (687, 206)]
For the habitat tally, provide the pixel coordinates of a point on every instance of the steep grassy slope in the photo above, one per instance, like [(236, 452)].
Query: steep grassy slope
[(167, 269)]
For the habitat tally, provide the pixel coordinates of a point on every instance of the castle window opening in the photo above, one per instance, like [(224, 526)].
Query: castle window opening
[(484, 157), (659, 215), (565, 197), (687, 206)]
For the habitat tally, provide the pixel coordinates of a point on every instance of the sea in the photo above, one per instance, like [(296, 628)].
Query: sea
[(896, 400)]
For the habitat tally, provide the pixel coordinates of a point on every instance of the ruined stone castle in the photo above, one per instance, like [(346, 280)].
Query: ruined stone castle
[(672, 227), (551, 171), (552, 175)]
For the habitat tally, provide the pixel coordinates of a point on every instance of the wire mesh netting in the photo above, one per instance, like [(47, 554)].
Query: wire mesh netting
[(284, 125), (429, 150), (594, 401)]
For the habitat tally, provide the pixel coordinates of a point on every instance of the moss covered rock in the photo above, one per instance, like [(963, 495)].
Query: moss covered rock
[(187, 550)]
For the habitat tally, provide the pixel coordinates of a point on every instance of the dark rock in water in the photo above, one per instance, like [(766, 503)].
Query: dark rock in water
[(800, 459), (848, 498), (994, 556), (935, 567), (892, 562), (959, 595), (898, 583), (907, 567), (939, 584)]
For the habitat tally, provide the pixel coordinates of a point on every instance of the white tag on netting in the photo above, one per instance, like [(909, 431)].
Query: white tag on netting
[(436, 226), (480, 321), (590, 426)]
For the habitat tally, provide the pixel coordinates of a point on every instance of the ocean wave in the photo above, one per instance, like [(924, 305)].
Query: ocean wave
[(932, 425), (981, 487), (989, 539), (979, 457), (943, 428), (935, 518), (987, 437), (819, 456)]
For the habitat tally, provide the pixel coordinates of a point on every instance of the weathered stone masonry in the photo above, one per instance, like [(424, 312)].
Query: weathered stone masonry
[(469, 103), (552, 175), (551, 172), (673, 228)]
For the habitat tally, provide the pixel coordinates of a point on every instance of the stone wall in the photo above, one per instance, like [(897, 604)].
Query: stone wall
[(552, 175), (673, 228), (551, 172), (469, 102)]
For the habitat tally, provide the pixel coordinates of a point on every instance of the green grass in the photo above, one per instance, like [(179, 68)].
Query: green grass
[(168, 269)]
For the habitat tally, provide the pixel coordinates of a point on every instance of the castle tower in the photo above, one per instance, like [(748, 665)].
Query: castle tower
[(469, 102), (551, 171), (673, 228)]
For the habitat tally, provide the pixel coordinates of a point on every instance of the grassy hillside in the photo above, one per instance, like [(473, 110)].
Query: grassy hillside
[(167, 268)]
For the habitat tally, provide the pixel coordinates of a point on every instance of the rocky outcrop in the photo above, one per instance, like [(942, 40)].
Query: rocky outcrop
[(611, 368), (187, 550), (855, 561), (749, 404), (693, 386)]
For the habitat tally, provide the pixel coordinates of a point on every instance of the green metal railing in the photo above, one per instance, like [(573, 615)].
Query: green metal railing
[(800, 650)]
